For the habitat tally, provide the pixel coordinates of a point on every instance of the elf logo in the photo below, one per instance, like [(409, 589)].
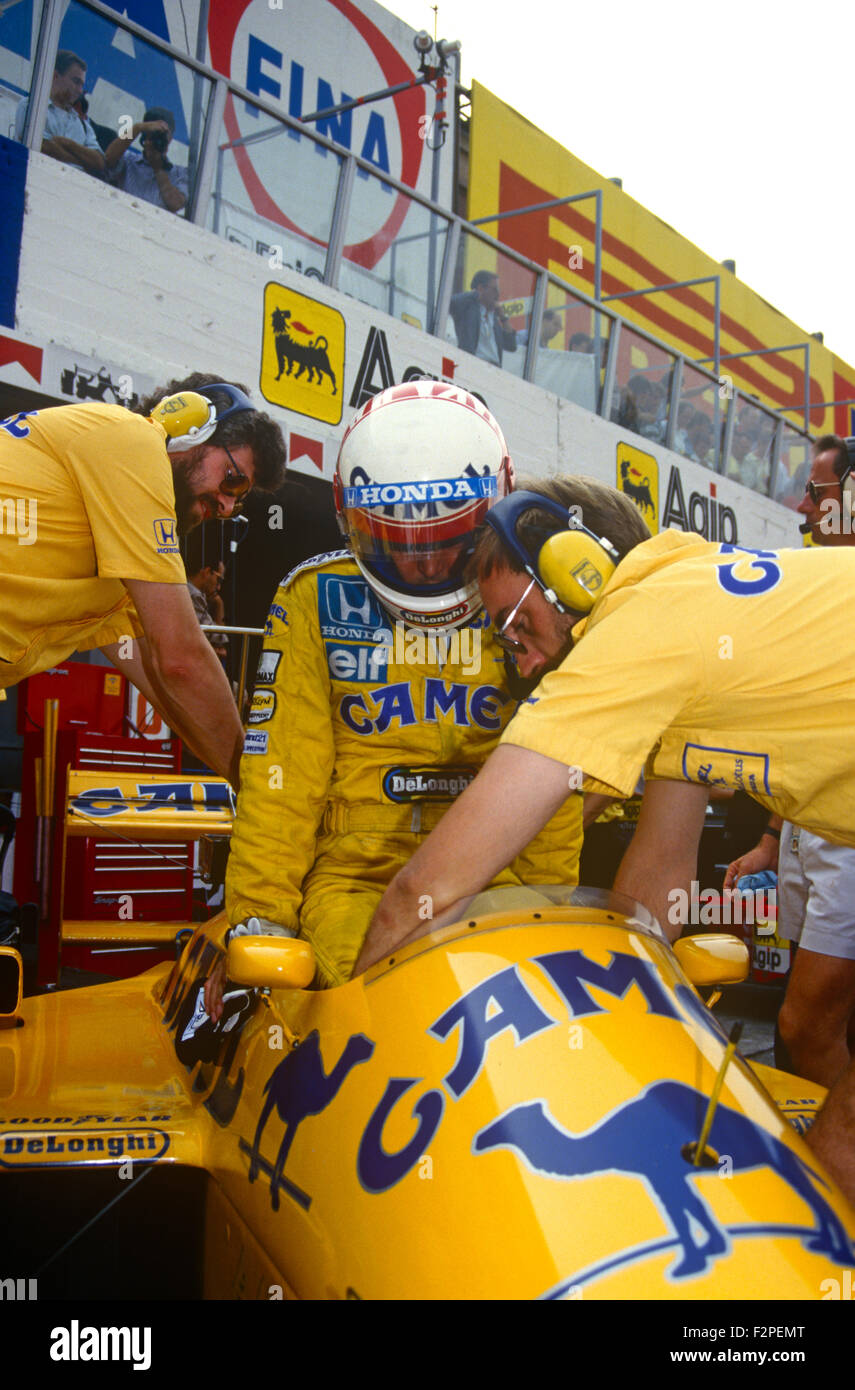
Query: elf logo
[(358, 662)]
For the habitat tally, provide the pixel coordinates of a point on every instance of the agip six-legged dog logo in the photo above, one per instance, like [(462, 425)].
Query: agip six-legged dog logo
[(309, 354), (302, 354)]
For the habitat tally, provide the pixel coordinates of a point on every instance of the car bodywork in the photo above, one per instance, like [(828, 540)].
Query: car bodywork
[(509, 1108)]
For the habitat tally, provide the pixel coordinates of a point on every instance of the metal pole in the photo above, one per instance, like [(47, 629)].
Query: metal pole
[(598, 248), (440, 125), (43, 70), (428, 76), (335, 248), (446, 279), (201, 192), (674, 402), (611, 369), (393, 267), (196, 116), (534, 323)]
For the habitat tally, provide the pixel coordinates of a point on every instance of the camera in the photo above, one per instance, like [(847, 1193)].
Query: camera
[(158, 138)]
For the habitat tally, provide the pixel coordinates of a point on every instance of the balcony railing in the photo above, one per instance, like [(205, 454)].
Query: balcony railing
[(565, 341)]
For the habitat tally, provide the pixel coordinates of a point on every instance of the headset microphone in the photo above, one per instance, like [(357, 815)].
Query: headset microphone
[(240, 522), (805, 528)]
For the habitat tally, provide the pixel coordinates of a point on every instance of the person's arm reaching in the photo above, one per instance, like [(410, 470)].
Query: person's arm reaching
[(764, 855), (133, 660), (187, 676), (514, 795), (595, 804), (663, 852)]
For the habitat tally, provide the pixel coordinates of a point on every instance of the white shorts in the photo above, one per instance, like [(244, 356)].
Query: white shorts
[(816, 893)]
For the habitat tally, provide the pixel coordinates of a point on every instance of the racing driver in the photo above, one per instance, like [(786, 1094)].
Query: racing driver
[(381, 690)]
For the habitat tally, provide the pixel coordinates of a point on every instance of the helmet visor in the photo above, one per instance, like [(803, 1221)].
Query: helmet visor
[(417, 545)]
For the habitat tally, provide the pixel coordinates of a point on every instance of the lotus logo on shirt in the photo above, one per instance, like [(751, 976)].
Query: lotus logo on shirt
[(164, 532)]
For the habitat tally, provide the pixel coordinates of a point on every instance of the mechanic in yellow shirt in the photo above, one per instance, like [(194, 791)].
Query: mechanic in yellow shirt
[(93, 499), (674, 667)]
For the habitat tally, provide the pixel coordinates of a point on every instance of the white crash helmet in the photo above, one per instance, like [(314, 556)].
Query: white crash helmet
[(417, 471)]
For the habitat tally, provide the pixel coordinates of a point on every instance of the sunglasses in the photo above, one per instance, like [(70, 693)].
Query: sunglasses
[(508, 644), (235, 484), (812, 489)]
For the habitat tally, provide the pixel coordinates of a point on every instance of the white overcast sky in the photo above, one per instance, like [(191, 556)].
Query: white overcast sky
[(734, 123)]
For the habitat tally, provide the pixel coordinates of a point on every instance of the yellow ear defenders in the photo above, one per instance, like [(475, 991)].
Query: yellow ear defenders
[(572, 566), (191, 417)]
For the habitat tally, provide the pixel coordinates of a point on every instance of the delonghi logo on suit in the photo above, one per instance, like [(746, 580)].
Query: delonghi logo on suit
[(347, 609), (426, 783), (440, 619)]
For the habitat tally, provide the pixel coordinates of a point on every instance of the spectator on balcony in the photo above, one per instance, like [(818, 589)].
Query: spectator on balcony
[(103, 133), (581, 342), (685, 417), (747, 462), (68, 137), (550, 325), (642, 406), (148, 173), (700, 440), (481, 327)]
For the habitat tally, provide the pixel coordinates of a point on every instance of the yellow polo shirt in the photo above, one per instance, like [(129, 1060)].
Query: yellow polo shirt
[(86, 500), (713, 664)]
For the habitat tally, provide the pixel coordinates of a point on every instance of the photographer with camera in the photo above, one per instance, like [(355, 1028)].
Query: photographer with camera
[(148, 173)]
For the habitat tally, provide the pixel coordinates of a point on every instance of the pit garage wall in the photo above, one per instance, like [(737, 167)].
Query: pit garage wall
[(111, 288)]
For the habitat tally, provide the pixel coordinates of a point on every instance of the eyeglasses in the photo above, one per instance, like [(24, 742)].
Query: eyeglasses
[(235, 484), (508, 644), (812, 488)]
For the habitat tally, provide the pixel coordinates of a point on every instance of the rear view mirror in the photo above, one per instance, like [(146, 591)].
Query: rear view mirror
[(715, 958), (11, 985), (271, 962)]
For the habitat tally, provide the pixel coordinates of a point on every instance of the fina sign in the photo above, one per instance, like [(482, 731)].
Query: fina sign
[(305, 58), (272, 188)]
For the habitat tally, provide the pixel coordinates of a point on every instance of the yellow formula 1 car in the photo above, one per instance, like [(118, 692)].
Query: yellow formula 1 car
[(532, 1104)]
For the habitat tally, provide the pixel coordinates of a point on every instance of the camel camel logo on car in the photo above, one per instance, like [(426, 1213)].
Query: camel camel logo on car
[(644, 1137)]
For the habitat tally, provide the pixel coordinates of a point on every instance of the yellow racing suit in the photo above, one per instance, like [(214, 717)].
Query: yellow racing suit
[(359, 737)]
